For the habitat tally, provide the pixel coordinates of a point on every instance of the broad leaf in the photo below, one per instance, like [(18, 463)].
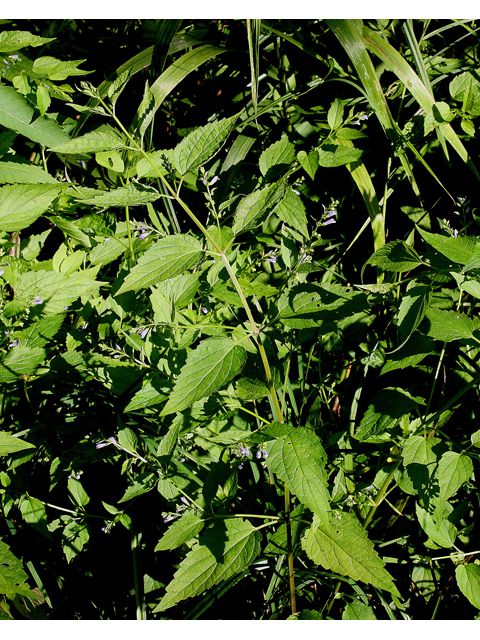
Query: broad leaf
[(74, 536), (23, 172), (413, 352), (20, 361), (17, 114), (211, 365), (220, 553), (468, 580), (202, 144), (277, 158), (182, 530), (131, 195), (309, 161), (12, 576), (12, 444), (291, 210), (104, 138), (395, 256), (21, 205), (15, 40), (299, 459), (459, 249), (343, 547), (358, 611), (449, 325), (331, 155), (254, 208), (168, 257), (412, 308), (443, 534), (453, 470)]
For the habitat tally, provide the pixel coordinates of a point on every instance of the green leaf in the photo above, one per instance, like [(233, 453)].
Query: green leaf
[(131, 195), (299, 459), (420, 450), (151, 394), (412, 308), (309, 161), (449, 325), (335, 114), (168, 257), (417, 348), (381, 417), (12, 444), (107, 251), (468, 580), (332, 155), (358, 611), (211, 365), (18, 170), (74, 537), (105, 138), (111, 160), (57, 70), (33, 512), (144, 483), (77, 492), (17, 114), (201, 145), (395, 256), (15, 40), (291, 210), (252, 209), (453, 470), (71, 229), (343, 547), (443, 534), (12, 576), (21, 205), (459, 249), (465, 88), (157, 158), (182, 530), (220, 553), (277, 158), (20, 361)]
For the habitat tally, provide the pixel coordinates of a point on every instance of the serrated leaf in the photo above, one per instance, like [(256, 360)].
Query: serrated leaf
[(131, 195), (107, 251), (291, 210), (22, 172), (105, 138), (468, 581), (417, 348), (15, 40), (182, 530), (459, 249), (74, 537), (299, 459), (277, 158), (20, 361), (12, 576), (335, 114), (251, 389), (444, 533), (309, 161), (358, 611), (143, 483), (71, 229), (453, 470), (169, 441), (158, 158), (12, 444), (202, 144), (21, 205), (381, 417), (252, 209), (331, 155), (343, 547), (17, 114), (211, 365), (412, 308), (449, 325), (395, 256), (168, 257), (57, 70), (220, 553)]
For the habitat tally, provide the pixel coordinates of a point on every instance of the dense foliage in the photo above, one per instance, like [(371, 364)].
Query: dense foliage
[(239, 322)]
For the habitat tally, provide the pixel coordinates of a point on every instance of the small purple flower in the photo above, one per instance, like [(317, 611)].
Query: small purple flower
[(38, 300), (258, 455), (2, 271), (331, 214), (240, 466), (118, 348), (82, 163), (100, 445), (143, 333), (214, 180), (184, 500), (182, 460), (15, 343), (329, 222), (116, 356), (455, 233), (144, 235), (296, 192), (66, 308), (48, 86), (107, 239), (363, 117), (167, 519), (265, 454), (205, 310), (272, 259), (244, 450), (14, 56), (112, 440)]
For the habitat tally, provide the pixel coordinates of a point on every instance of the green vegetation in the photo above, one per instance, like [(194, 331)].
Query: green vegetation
[(239, 342)]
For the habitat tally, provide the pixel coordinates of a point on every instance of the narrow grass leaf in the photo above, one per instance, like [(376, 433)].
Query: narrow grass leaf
[(168, 257), (299, 459), (343, 547), (220, 553), (211, 365)]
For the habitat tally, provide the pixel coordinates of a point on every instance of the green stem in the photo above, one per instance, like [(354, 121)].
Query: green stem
[(129, 232), (135, 539)]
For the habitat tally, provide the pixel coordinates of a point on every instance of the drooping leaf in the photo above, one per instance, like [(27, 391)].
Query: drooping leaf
[(220, 553), (211, 365), (168, 257), (291, 210), (343, 546), (33, 512), (309, 161), (453, 470), (182, 530), (21, 205), (412, 308), (201, 145), (299, 459), (74, 537), (105, 138), (17, 114), (413, 352), (468, 580), (252, 209), (12, 444)]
